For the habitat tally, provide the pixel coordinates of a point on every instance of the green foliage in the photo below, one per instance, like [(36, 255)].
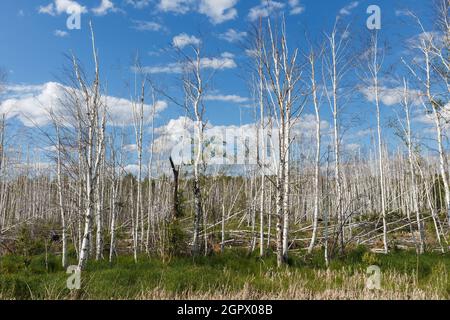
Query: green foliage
[(177, 239), (27, 244), (357, 254), (234, 270), (11, 264), (43, 264), (370, 258)]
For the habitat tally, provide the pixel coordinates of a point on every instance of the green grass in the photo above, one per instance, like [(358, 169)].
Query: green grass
[(232, 272)]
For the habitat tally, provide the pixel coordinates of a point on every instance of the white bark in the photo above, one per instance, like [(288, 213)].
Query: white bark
[(317, 157)]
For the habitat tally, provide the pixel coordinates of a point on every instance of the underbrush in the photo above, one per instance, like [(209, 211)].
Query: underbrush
[(235, 274)]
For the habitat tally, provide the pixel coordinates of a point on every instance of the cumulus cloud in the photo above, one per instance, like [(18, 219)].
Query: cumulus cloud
[(182, 40), (305, 127), (264, 9), (31, 104), (390, 96), (218, 11), (232, 144), (296, 8), (231, 35), (58, 7), (104, 7), (225, 61), (121, 114), (175, 131), (177, 6), (69, 7)]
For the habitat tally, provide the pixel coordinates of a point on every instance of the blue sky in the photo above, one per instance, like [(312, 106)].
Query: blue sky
[(34, 40)]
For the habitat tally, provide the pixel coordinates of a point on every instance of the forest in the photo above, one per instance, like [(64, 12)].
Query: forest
[(281, 208)]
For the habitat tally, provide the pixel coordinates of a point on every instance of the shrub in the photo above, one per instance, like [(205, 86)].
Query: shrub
[(11, 264), (370, 258)]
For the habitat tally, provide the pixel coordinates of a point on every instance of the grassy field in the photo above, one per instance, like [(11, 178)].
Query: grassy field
[(232, 275)]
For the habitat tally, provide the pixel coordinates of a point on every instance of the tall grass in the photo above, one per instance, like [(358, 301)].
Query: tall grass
[(232, 275)]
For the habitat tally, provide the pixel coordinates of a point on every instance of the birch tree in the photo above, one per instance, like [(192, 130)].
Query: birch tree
[(2, 121), (431, 73), (138, 122), (335, 65), (91, 116), (315, 100), (412, 161), (194, 87), (61, 199), (375, 57), (281, 78)]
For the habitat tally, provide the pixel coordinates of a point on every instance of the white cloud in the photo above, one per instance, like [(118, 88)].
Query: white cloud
[(134, 169), (48, 9), (60, 33), (18, 90), (120, 111), (130, 147), (390, 96), (347, 10), (306, 126), (179, 132), (182, 40), (173, 67), (31, 104), (402, 12), (177, 6), (141, 25), (173, 132), (296, 8), (264, 9), (138, 4), (104, 7), (62, 6), (218, 11), (225, 61), (253, 53), (351, 147), (428, 118), (226, 98), (364, 132), (232, 35), (437, 38)]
